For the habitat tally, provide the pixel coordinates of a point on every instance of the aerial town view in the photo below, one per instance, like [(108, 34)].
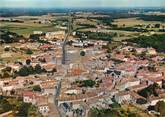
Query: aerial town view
[(82, 58)]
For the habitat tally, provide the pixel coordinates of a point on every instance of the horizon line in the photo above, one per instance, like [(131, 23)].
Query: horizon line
[(118, 7)]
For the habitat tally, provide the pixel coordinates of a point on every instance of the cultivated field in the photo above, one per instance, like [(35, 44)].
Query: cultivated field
[(28, 26), (134, 21)]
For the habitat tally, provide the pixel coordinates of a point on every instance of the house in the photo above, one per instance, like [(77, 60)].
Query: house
[(75, 71), (36, 99), (45, 47), (74, 91), (63, 27), (140, 50), (77, 44), (154, 100), (113, 73), (7, 88), (78, 110), (50, 67), (130, 65), (65, 109), (101, 43), (138, 87), (37, 32), (49, 87), (44, 21), (55, 35), (43, 105), (9, 85), (129, 83), (72, 110), (30, 97), (123, 96), (151, 51), (136, 98)]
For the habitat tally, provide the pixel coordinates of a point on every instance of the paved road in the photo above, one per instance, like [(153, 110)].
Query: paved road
[(56, 99), (65, 40)]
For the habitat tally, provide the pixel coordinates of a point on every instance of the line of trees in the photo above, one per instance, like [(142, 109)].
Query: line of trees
[(155, 41), (98, 35), (9, 37), (27, 70), (152, 18)]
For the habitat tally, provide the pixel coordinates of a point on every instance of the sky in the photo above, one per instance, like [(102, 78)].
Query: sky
[(81, 3)]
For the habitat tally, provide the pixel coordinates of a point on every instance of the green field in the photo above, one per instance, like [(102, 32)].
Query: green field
[(26, 28)]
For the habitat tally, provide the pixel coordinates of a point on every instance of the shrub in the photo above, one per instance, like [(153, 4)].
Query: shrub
[(29, 51), (37, 88)]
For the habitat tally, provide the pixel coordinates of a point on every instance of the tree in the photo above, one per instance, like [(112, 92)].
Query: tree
[(7, 49), (115, 105), (24, 71), (34, 37), (38, 68), (32, 111), (155, 41), (37, 88), (86, 83), (6, 106), (9, 37), (23, 109), (157, 25), (28, 61), (160, 107), (82, 53), (31, 70)]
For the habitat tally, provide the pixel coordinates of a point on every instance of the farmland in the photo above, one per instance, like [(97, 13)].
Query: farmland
[(27, 27), (133, 22)]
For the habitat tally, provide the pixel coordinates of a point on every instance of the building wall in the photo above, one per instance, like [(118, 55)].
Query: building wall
[(29, 100), (44, 109), (53, 35), (120, 99), (153, 102), (50, 91)]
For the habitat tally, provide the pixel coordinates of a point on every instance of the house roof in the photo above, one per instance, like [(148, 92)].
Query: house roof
[(49, 66), (48, 84), (113, 71), (42, 100), (66, 105), (123, 93), (30, 94)]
